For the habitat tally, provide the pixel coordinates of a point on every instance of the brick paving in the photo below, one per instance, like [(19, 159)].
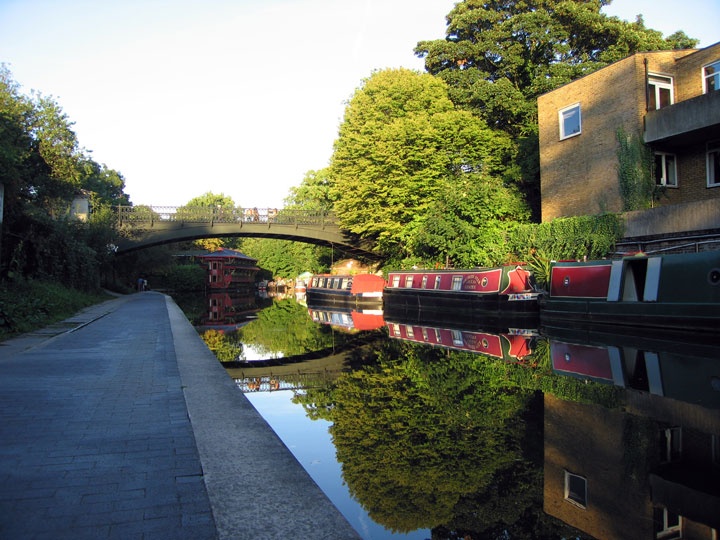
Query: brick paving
[(96, 439)]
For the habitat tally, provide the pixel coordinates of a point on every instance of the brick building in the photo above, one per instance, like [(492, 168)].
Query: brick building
[(668, 99)]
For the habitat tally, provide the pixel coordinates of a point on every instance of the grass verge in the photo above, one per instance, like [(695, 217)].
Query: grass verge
[(29, 305)]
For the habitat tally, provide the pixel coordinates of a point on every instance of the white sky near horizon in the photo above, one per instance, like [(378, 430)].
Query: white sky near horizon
[(237, 97)]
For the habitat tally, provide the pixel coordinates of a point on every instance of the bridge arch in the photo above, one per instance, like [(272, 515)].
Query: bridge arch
[(144, 227)]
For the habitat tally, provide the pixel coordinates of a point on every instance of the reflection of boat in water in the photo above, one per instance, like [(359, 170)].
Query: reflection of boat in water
[(510, 344), (679, 291), (684, 369), (360, 289), (497, 290), (347, 319)]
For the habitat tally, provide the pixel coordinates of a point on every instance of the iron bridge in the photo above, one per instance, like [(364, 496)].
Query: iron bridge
[(147, 226)]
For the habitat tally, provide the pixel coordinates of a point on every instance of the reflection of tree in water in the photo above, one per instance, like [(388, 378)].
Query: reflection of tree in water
[(429, 438), (285, 329)]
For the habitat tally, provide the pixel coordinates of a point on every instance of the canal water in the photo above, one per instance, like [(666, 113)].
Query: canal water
[(420, 425)]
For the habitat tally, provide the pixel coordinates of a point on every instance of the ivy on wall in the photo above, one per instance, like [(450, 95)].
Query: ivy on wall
[(635, 166)]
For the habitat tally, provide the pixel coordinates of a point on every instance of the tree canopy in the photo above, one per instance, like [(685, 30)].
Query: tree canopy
[(401, 147)]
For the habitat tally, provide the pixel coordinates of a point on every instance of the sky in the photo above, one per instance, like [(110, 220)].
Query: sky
[(239, 97)]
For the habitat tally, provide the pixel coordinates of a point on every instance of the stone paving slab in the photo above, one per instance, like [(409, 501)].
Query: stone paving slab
[(97, 441)]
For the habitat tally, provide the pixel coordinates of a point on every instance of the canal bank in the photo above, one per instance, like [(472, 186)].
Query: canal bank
[(120, 423)]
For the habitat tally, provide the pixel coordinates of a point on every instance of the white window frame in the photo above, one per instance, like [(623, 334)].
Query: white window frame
[(712, 163), (408, 281), (664, 169), (457, 282), (667, 530), (715, 74), (656, 83), (569, 496), (564, 114)]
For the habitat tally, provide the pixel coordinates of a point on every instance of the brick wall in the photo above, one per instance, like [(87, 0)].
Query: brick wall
[(579, 174)]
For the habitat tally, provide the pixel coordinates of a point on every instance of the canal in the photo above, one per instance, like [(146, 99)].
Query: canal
[(419, 426)]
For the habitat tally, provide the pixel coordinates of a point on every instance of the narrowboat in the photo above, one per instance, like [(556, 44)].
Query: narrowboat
[(499, 290), (350, 319), (678, 292), (358, 289), (510, 345)]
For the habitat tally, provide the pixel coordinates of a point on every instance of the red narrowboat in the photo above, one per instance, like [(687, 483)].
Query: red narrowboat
[(365, 289), (503, 289)]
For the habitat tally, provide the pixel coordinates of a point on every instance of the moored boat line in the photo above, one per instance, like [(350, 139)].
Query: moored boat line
[(677, 292)]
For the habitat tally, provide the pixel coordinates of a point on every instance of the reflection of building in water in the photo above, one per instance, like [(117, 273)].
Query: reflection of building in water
[(227, 268), (648, 470), (229, 308)]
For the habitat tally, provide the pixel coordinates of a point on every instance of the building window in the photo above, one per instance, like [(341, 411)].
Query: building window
[(668, 525), (670, 444), (660, 91), (711, 76), (570, 121), (576, 489), (713, 164), (665, 169)]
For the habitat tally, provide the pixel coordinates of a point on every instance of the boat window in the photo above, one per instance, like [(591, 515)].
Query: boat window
[(438, 335), (396, 281), (336, 283), (457, 283), (576, 489), (396, 330), (408, 281), (425, 334), (410, 332), (424, 282), (437, 282)]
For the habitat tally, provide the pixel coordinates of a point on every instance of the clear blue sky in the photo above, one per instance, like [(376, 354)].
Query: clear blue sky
[(241, 97)]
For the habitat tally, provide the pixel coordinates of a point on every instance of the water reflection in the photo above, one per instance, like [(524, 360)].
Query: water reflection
[(460, 430)]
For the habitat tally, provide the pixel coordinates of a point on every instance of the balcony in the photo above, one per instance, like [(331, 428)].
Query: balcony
[(687, 122)]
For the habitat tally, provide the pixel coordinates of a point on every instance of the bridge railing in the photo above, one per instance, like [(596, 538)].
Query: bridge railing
[(141, 215)]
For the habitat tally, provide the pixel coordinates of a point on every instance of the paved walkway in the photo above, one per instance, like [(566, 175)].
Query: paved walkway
[(119, 423)]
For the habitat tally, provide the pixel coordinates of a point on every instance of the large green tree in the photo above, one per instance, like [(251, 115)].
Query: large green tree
[(401, 146)]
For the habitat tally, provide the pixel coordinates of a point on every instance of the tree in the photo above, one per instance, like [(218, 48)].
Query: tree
[(402, 144), (314, 194)]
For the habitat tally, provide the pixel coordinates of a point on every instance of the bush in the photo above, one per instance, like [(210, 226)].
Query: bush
[(26, 305)]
